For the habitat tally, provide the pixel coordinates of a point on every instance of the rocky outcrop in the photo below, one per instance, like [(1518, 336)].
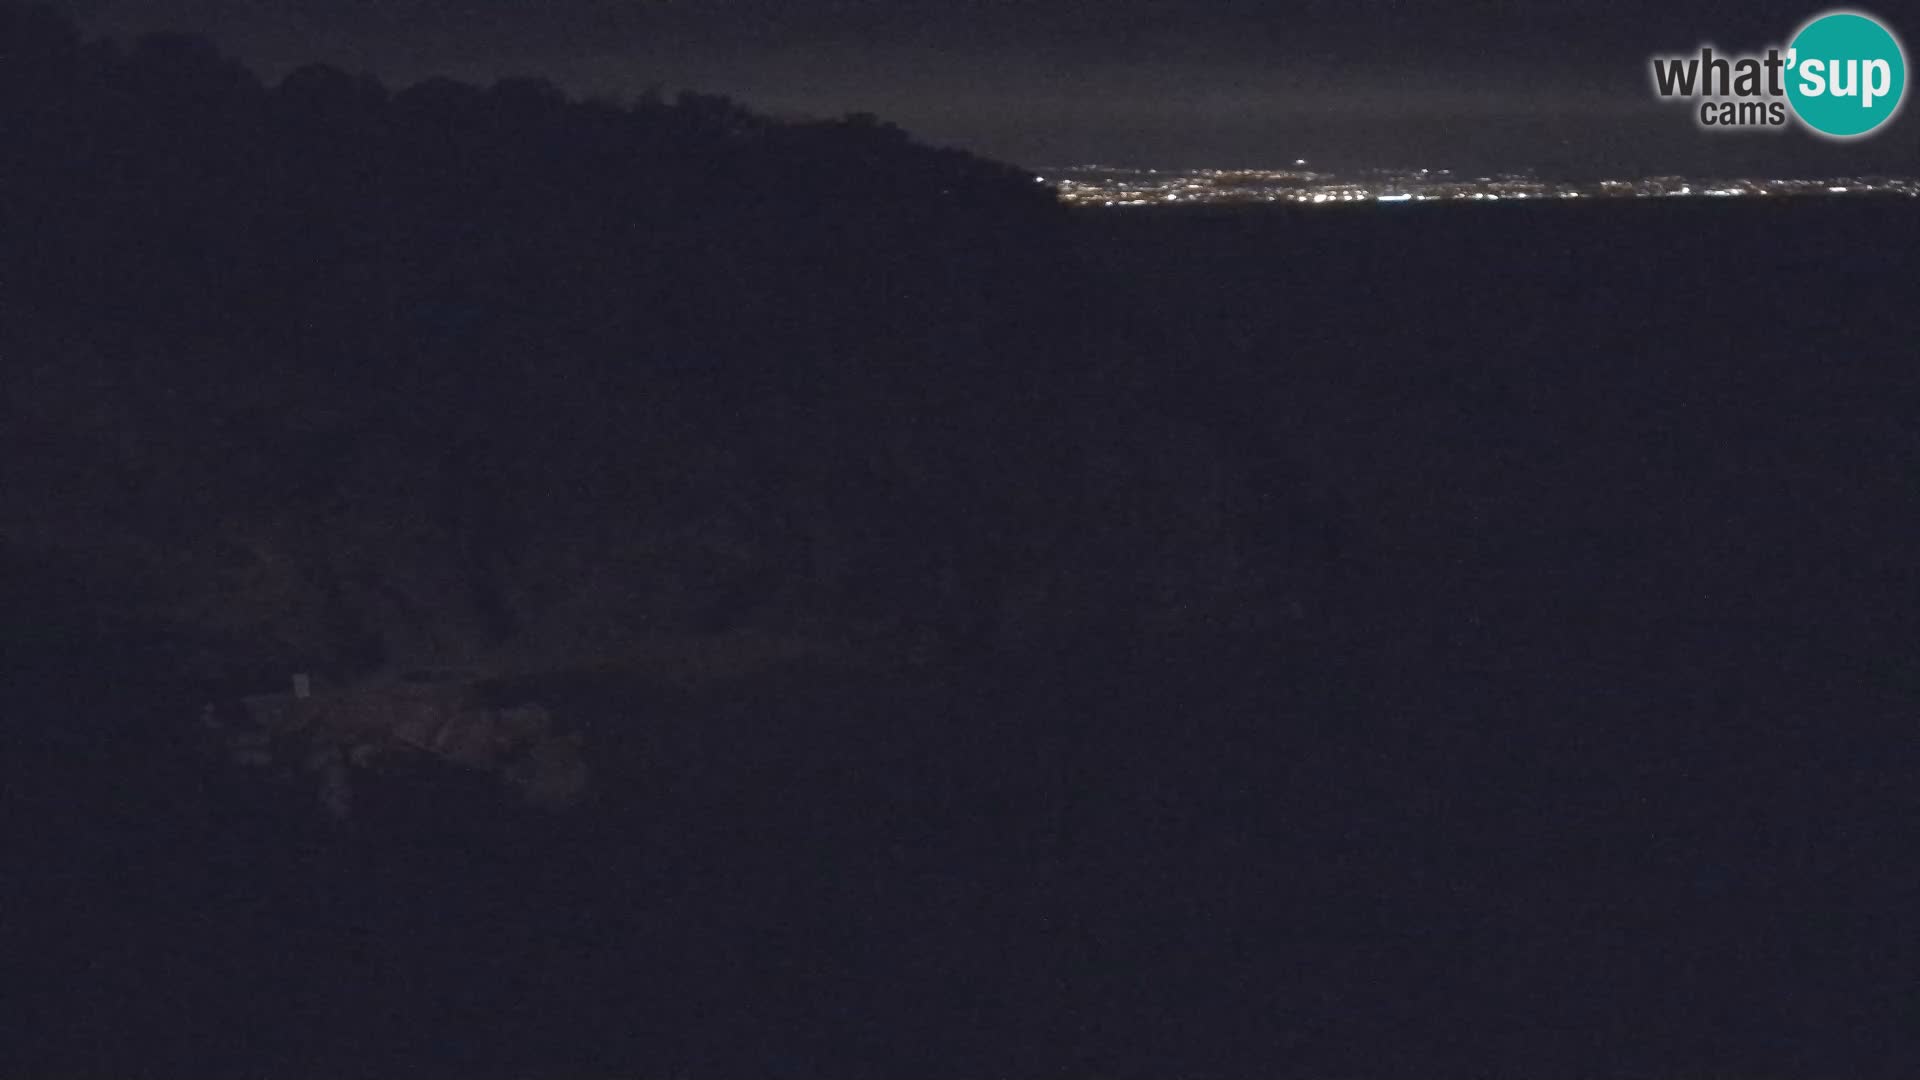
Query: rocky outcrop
[(328, 741)]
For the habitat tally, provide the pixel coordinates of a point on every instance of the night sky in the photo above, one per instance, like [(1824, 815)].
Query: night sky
[(1486, 84)]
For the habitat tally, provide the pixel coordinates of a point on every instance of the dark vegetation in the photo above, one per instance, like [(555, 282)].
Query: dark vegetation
[(378, 376), (1414, 643)]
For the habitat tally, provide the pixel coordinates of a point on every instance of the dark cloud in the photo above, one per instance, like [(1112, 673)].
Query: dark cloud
[(1125, 80)]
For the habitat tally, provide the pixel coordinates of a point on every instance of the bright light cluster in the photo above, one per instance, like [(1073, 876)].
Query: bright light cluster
[(1103, 186)]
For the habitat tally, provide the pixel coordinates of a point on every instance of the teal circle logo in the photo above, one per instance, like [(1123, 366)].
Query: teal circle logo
[(1846, 74)]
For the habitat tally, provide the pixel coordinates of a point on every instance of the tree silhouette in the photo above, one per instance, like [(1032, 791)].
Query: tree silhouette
[(484, 346)]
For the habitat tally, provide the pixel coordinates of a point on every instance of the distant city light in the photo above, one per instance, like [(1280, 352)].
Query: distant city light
[(1091, 185)]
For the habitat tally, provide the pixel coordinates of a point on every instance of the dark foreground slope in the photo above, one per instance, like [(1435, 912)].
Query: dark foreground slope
[(1452, 643), (1598, 759), (1633, 500)]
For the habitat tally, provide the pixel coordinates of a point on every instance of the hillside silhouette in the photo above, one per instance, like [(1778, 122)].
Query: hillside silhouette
[(328, 376)]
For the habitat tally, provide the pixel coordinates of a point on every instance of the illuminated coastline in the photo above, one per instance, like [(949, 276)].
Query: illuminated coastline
[(1105, 186)]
